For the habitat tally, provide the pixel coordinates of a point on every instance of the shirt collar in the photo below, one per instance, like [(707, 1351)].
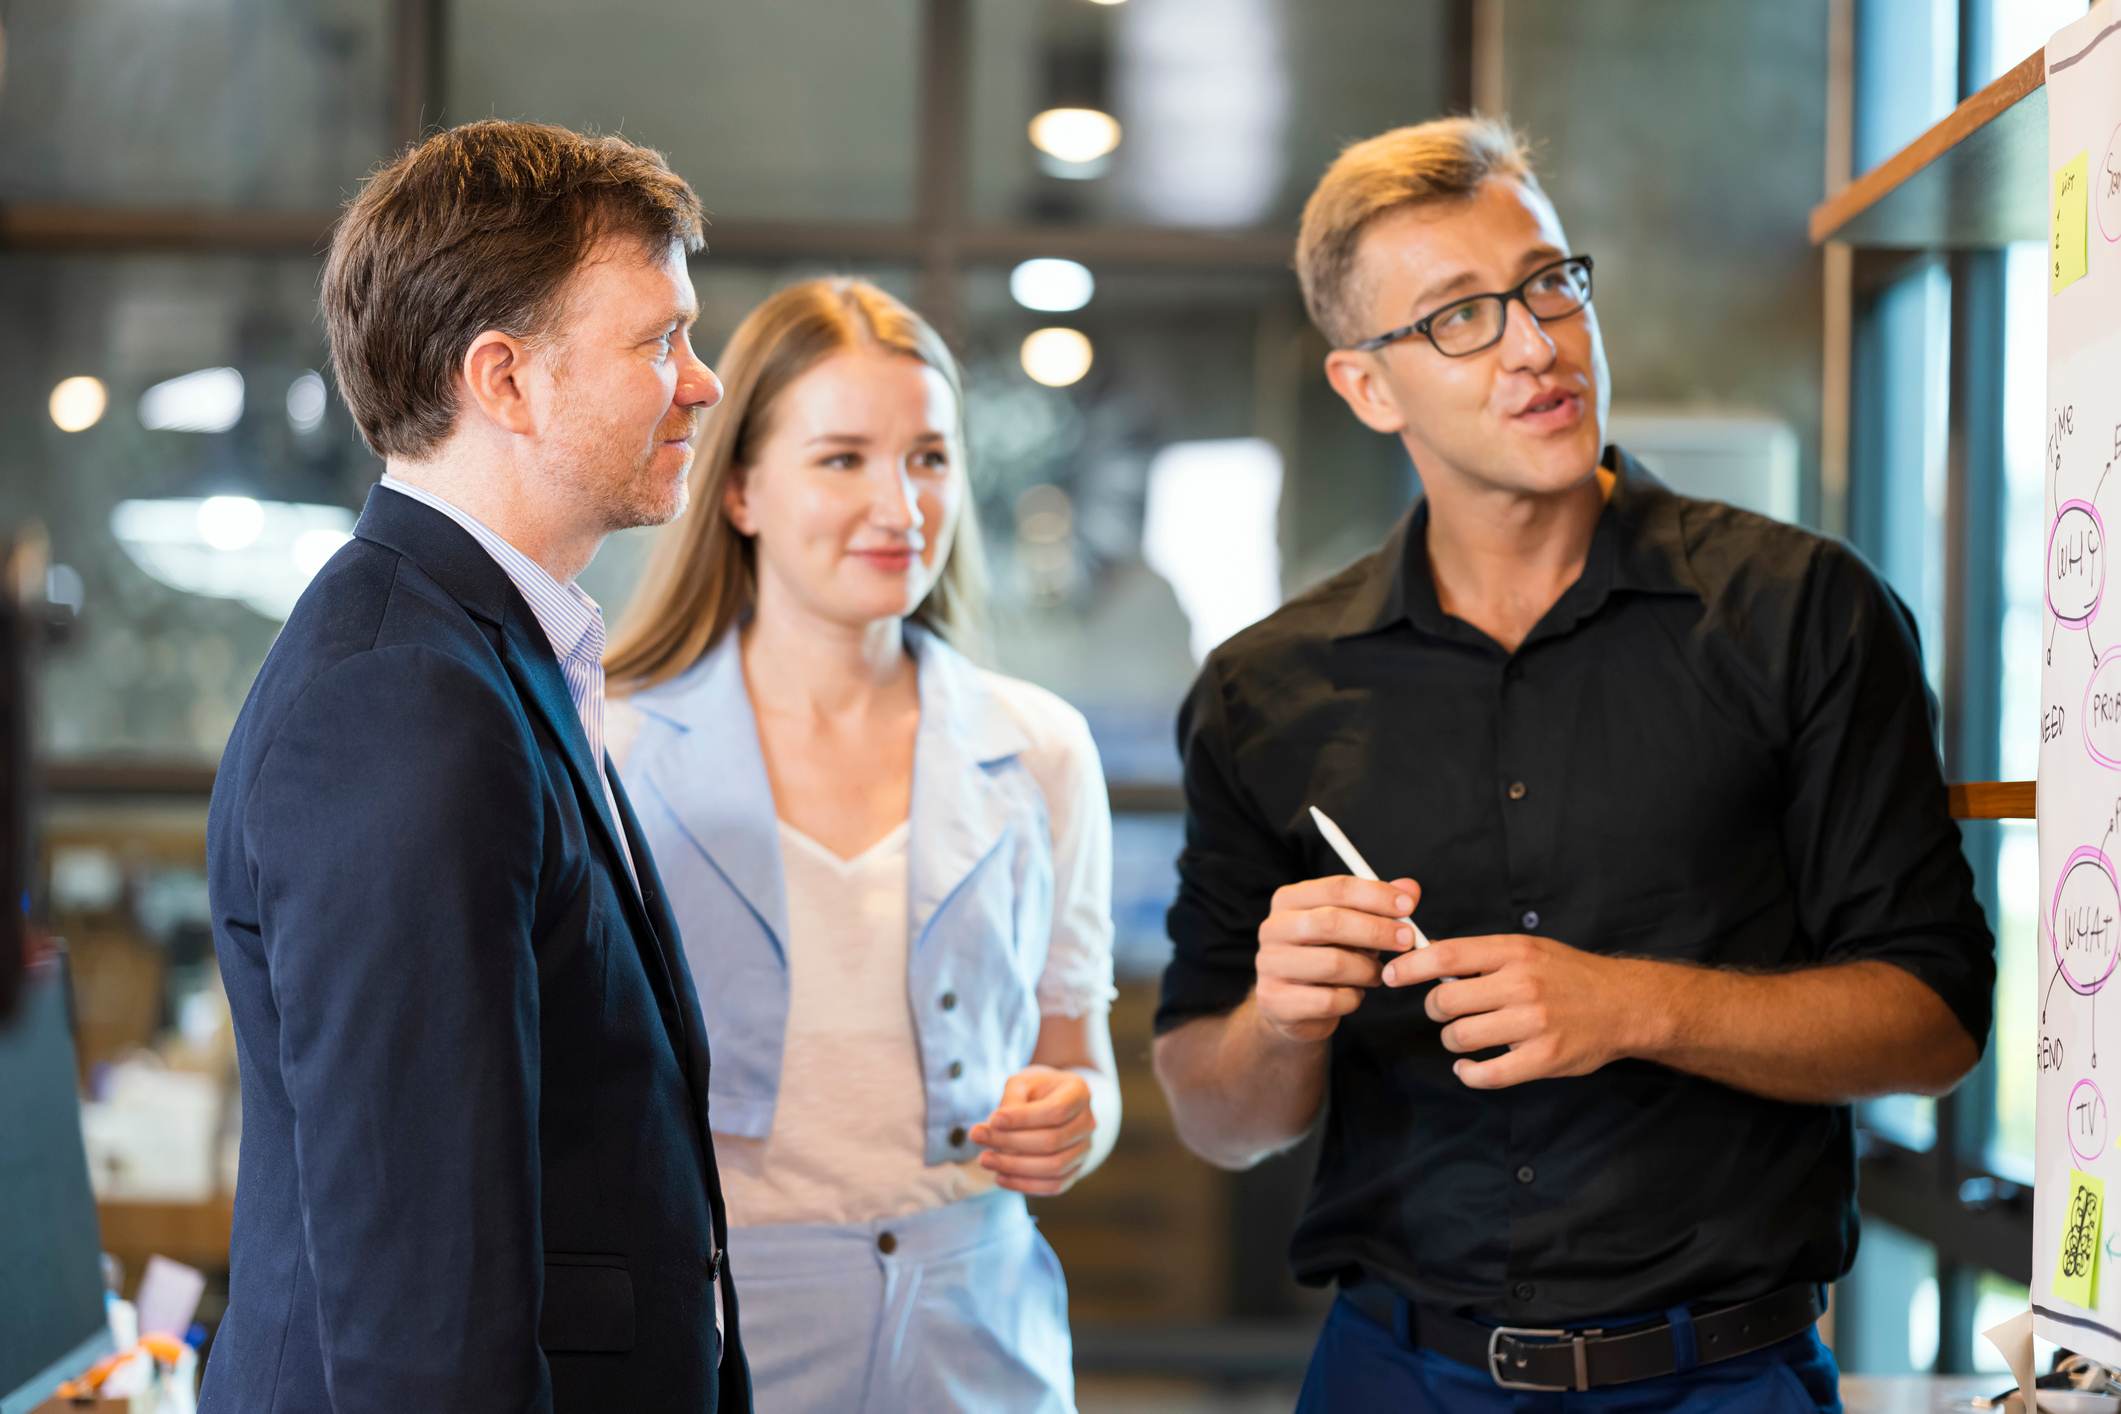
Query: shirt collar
[(1638, 546), (572, 621)]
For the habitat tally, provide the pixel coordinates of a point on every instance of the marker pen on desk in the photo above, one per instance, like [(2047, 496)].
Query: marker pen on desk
[(1356, 864)]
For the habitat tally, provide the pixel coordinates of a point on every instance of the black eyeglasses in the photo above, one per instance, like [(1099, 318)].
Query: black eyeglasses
[(1476, 322)]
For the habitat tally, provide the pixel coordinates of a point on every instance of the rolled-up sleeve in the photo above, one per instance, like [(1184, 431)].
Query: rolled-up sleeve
[(1227, 873), (1876, 860)]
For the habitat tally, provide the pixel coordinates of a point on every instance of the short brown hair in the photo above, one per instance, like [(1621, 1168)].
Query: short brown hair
[(702, 577), (1442, 160), (476, 228)]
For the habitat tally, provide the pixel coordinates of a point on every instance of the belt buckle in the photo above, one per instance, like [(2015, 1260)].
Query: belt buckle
[(1575, 1340)]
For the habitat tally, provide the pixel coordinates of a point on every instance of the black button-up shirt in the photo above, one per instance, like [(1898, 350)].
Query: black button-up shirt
[(1717, 747)]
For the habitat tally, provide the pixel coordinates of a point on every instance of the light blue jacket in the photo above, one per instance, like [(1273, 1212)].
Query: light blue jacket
[(980, 895)]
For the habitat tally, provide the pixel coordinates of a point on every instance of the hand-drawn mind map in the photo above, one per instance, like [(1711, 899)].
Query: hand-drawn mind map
[(2081, 920)]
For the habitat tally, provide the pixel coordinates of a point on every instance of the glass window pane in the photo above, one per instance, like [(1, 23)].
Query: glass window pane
[(138, 103), (156, 668), (1197, 471), (2022, 27), (1227, 114), (2024, 358), (1908, 1120), (2018, 1002), (1907, 73), (1898, 434), (1886, 1319), (772, 112), (1683, 331)]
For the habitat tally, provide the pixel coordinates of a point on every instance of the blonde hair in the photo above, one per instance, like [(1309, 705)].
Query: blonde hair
[(1436, 161), (702, 576)]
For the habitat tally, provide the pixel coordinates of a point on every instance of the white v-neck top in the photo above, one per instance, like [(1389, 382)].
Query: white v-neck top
[(846, 1140)]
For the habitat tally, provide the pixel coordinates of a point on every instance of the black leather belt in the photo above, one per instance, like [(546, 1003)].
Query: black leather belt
[(1520, 1357)]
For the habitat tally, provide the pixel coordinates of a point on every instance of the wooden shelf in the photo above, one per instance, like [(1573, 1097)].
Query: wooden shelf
[(1977, 179), (195, 1234), (1990, 800)]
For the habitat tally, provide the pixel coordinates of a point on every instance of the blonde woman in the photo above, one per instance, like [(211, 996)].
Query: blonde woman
[(895, 865)]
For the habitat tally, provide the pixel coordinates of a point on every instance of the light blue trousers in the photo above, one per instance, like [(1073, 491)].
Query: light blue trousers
[(961, 1308)]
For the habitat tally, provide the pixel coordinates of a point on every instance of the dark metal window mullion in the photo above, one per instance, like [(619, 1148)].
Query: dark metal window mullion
[(941, 174), (1974, 598)]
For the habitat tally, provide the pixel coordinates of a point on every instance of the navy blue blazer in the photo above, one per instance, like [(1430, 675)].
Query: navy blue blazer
[(476, 1166)]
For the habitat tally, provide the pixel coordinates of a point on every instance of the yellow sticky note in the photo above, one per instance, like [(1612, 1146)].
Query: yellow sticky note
[(2066, 236), (2083, 1220)]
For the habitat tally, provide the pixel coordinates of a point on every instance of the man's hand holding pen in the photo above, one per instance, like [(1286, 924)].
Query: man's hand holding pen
[(1320, 946)]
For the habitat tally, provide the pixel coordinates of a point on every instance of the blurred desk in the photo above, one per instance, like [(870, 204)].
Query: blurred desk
[(1916, 1394), (195, 1234)]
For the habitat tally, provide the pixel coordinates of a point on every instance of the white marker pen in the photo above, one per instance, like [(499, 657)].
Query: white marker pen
[(1356, 864)]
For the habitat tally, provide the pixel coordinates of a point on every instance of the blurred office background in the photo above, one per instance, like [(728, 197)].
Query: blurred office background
[(1157, 456)]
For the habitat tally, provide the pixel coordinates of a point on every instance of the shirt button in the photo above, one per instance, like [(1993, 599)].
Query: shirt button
[(886, 1244), (949, 1001), (957, 1137), (957, 1068), (1524, 1291), (1516, 791), (1525, 1174), (1531, 919)]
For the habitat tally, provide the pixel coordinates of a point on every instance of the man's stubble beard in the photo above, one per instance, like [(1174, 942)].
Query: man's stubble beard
[(639, 499), (616, 499)]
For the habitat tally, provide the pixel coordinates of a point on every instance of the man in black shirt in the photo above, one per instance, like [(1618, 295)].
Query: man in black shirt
[(1656, 774)]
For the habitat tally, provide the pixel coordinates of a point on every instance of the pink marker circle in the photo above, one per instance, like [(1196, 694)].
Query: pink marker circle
[(2062, 513), (2084, 854), (2069, 1129), (2091, 745)]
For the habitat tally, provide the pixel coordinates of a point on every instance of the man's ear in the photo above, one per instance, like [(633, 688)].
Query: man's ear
[(496, 371), (1360, 381), (736, 502)]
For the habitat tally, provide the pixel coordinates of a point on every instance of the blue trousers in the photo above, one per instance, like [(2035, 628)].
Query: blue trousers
[(1359, 1367), (958, 1310)]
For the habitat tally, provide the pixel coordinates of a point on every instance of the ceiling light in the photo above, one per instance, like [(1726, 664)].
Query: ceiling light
[(259, 553), (1052, 286), (209, 400), (229, 522), (1075, 134), (78, 403), (305, 402), (1056, 357)]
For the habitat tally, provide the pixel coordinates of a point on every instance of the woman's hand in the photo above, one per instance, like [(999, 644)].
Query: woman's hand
[(1038, 1137)]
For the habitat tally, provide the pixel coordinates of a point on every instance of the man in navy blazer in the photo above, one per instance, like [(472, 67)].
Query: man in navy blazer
[(476, 1168)]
